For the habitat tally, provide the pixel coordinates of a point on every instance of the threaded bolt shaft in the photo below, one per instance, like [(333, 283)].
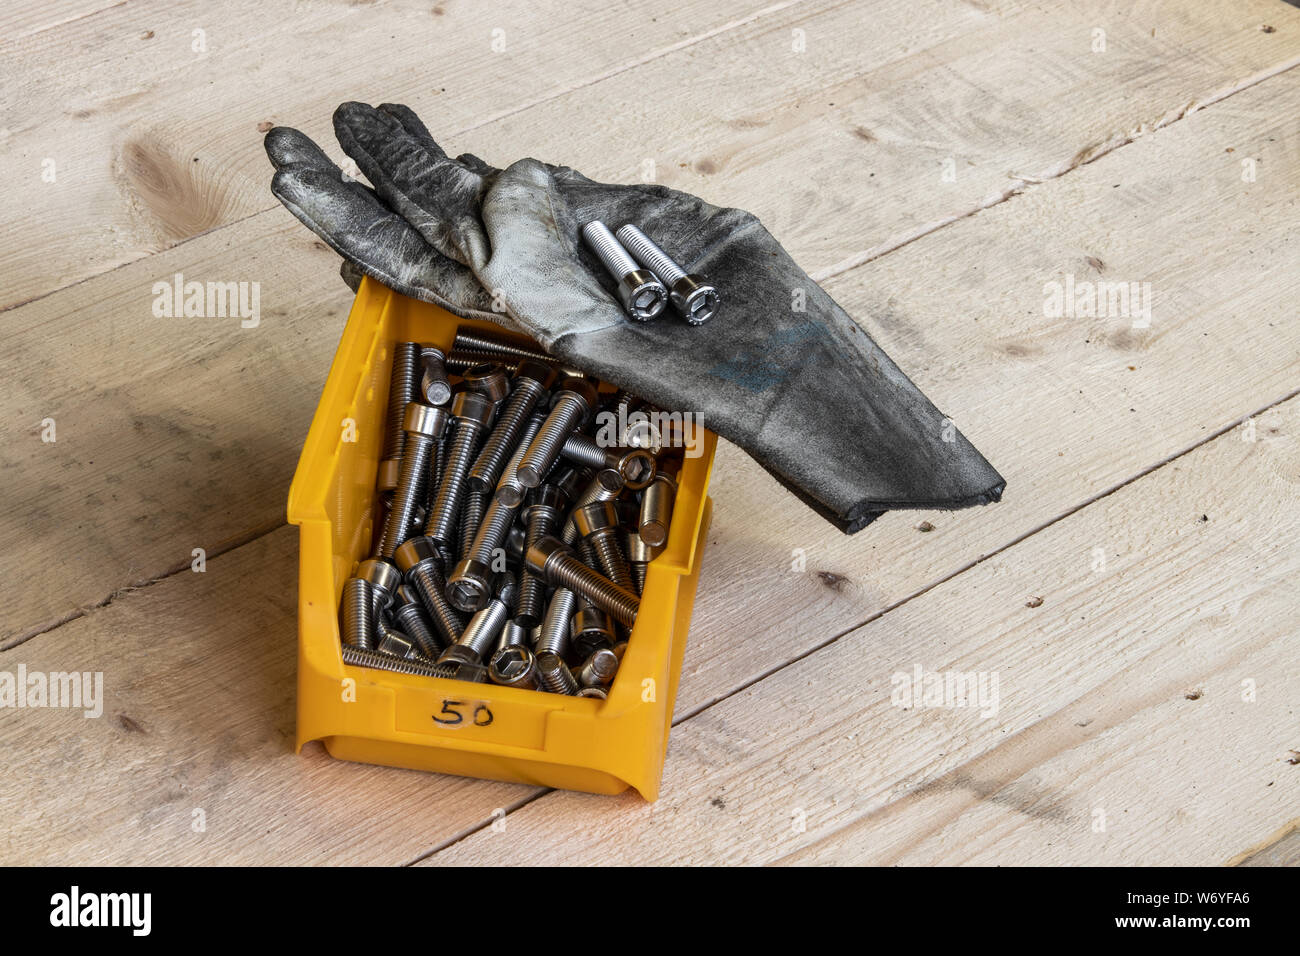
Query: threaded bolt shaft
[(647, 252), (416, 626), (562, 569), (609, 557), (554, 636), (358, 614), (403, 387), (532, 587), (584, 450), (638, 569), (565, 416), (475, 342), (446, 507), (415, 463), (616, 260), (554, 675), (505, 435), (361, 657), (471, 518), (429, 585), (484, 628)]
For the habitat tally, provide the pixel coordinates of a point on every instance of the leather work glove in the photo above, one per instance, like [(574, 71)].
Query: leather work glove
[(782, 370)]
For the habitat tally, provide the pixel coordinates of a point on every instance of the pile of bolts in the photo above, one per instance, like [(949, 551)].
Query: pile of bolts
[(513, 546)]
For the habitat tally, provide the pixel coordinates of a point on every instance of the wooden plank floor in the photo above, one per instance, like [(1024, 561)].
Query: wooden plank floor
[(934, 165)]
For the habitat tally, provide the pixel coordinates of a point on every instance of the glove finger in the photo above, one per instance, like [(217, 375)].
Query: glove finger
[(411, 173), (353, 222), (476, 165), (287, 146)]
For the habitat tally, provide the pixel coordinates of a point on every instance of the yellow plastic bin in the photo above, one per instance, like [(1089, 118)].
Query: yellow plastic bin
[(478, 730)]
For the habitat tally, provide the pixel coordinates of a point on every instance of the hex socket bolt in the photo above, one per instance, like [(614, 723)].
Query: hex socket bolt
[(570, 408), (636, 465), (554, 675), (641, 293), (541, 518), (433, 383), (468, 587), (598, 524), (555, 561), (410, 616), (639, 556), (384, 580), (605, 485), (403, 388), (591, 630), (420, 561), (599, 669), (657, 510), (531, 384), (487, 379), (396, 644), (553, 635), (508, 489), (358, 614), (693, 296), (513, 666), (471, 517), (475, 646), (473, 413), (423, 425), (360, 657)]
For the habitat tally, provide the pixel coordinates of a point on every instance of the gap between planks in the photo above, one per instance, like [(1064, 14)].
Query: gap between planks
[(1081, 158), (937, 582)]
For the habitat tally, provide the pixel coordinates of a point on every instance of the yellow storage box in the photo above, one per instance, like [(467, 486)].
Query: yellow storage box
[(424, 723)]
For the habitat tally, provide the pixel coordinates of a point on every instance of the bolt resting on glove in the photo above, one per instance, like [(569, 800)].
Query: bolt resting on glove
[(805, 391)]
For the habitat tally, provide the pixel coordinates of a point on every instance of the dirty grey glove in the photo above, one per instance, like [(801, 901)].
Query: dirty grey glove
[(782, 370)]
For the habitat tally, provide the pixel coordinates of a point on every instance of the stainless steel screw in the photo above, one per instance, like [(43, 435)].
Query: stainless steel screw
[(480, 637), (423, 424), (605, 485), (477, 342), (597, 523), (657, 510), (639, 556), (569, 409), (468, 586), (513, 666), (360, 657), (358, 614), (403, 388), (636, 465), (553, 559), (541, 517), (694, 298), (419, 559), (531, 384), (397, 644), (554, 675), (473, 413), (411, 617), (471, 517), (433, 383), (643, 296), (554, 634), (599, 669)]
